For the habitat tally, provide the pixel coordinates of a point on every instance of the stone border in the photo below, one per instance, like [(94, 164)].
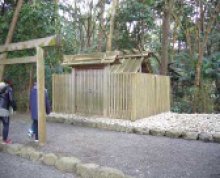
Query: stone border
[(65, 164), (115, 125)]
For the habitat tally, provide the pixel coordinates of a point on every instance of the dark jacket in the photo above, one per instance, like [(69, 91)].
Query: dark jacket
[(6, 98), (33, 103)]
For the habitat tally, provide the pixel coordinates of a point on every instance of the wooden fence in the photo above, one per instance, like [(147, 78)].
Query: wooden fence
[(117, 95), (63, 94)]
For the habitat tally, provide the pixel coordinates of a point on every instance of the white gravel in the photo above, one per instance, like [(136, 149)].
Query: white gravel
[(166, 121)]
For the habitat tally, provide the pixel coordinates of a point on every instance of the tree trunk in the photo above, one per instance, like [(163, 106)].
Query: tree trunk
[(101, 26), (202, 42), (112, 21), (11, 31), (165, 38), (199, 65)]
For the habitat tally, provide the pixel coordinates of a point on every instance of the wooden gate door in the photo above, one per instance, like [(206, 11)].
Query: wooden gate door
[(89, 91)]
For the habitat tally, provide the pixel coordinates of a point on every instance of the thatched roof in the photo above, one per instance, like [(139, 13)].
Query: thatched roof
[(93, 58), (118, 61)]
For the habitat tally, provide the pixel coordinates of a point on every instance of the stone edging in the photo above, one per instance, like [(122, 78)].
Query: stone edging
[(66, 164), (173, 133)]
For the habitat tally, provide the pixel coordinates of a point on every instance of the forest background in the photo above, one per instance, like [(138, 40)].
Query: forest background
[(182, 37)]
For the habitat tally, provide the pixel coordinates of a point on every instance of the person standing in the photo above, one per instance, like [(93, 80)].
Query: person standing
[(34, 109), (6, 103)]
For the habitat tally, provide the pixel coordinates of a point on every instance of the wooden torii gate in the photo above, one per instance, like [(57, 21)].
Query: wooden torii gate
[(37, 44)]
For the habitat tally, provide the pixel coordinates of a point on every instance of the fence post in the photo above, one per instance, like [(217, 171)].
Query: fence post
[(133, 97), (41, 96), (105, 91), (73, 92), (53, 94)]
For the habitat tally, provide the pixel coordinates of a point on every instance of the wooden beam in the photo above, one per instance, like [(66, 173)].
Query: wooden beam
[(81, 63), (41, 42), (133, 56), (41, 96), (22, 60)]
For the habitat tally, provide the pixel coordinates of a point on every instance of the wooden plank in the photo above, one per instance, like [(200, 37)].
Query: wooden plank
[(73, 91), (41, 42), (105, 91), (133, 56), (74, 63), (21, 60), (133, 97), (53, 93), (41, 96)]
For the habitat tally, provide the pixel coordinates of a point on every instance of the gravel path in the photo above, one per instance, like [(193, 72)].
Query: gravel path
[(140, 156), (16, 167)]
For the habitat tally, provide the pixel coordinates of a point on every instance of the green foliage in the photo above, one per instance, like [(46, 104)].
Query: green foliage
[(35, 21), (133, 17), (184, 91)]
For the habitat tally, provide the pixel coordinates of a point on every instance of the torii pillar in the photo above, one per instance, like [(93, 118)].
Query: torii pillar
[(38, 44)]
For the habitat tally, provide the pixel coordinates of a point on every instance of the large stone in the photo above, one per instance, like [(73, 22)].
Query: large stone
[(205, 136), (191, 135), (68, 121), (26, 152), (57, 119), (106, 172), (216, 137), (157, 132), (173, 133), (141, 130), (117, 127), (49, 159), (14, 149), (87, 170), (3, 147), (35, 156), (67, 164), (129, 129), (111, 127)]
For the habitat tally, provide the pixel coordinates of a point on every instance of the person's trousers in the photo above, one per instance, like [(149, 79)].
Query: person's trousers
[(5, 122), (35, 128)]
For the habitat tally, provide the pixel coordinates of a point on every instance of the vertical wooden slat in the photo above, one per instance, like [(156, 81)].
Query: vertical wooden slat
[(118, 95), (52, 92), (105, 91), (73, 95), (133, 97)]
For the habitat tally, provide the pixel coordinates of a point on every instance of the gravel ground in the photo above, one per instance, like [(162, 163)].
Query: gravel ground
[(140, 156), (209, 123), (16, 167)]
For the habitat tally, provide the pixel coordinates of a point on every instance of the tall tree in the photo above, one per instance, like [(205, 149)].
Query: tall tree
[(101, 29), (203, 34), (165, 37), (112, 21), (11, 32)]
